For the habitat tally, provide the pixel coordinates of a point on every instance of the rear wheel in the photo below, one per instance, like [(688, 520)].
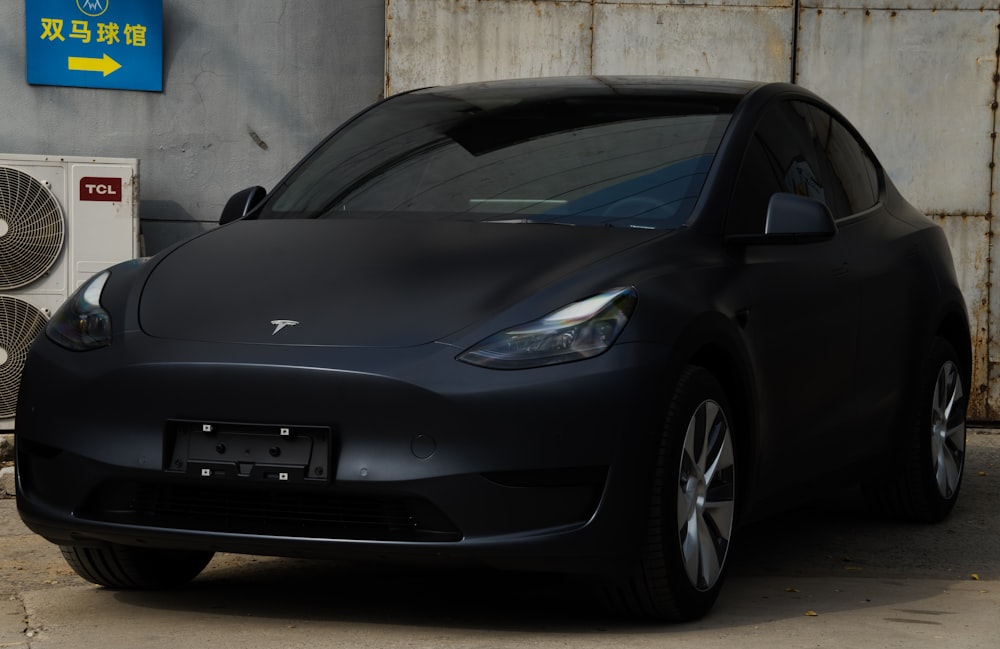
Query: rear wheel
[(926, 485), (692, 509), (130, 568)]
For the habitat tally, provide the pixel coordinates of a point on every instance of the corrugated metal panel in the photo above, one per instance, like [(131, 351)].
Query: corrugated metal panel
[(454, 41), (925, 106), (980, 6), (744, 42), (728, 3), (432, 42)]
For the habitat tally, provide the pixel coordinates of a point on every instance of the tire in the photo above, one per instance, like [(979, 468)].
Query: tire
[(691, 516), (129, 568), (925, 487)]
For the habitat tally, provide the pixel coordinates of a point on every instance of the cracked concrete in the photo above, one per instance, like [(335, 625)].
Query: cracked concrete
[(13, 623)]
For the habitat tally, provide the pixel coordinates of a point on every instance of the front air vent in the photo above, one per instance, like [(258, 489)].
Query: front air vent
[(298, 514)]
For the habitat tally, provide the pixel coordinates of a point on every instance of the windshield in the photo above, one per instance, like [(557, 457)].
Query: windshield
[(608, 161)]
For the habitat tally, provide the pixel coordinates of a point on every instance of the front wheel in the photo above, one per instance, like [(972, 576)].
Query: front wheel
[(131, 568), (692, 509)]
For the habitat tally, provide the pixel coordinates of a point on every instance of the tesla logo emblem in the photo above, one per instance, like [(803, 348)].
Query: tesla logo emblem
[(281, 324)]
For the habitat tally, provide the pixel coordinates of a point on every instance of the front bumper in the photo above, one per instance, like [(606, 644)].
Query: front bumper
[(425, 458)]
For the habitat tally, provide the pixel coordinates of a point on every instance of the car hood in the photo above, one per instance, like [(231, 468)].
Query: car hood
[(360, 283)]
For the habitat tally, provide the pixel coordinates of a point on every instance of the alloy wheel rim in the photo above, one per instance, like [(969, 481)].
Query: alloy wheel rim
[(706, 495), (947, 429)]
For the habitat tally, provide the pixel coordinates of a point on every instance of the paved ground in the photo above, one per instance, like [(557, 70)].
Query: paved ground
[(824, 576)]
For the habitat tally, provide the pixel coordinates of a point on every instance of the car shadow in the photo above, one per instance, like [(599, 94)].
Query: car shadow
[(776, 573)]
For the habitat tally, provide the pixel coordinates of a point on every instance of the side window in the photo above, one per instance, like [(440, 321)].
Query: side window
[(801, 149), (852, 170), (782, 157)]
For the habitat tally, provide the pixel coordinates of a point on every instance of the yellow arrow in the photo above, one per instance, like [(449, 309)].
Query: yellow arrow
[(107, 65)]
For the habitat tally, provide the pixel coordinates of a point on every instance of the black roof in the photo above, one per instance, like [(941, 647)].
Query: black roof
[(495, 94)]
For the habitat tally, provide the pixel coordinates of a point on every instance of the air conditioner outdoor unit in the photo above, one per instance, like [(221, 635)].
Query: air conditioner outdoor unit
[(62, 219)]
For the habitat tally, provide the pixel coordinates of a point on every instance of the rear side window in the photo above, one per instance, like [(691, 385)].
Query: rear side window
[(850, 166)]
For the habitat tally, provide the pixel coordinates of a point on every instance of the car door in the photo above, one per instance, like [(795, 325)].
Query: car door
[(890, 272), (799, 303)]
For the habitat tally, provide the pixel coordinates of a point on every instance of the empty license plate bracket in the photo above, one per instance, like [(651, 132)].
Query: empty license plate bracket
[(249, 452)]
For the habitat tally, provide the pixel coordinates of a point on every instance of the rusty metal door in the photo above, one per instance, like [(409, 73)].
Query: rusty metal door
[(920, 83)]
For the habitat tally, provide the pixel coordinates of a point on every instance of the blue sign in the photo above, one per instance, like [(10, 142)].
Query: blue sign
[(95, 43)]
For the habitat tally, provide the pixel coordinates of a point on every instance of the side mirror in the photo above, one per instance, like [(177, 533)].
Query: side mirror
[(798, 219), (241, 203)]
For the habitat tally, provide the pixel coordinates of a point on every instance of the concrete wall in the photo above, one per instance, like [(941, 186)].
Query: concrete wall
[(249, 88), (919, 79)]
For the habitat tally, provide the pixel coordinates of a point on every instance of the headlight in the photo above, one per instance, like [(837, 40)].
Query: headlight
[(81, 323), (580, 330)]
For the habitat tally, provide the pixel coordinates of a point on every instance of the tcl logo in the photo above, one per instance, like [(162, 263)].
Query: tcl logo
[(100, 189)]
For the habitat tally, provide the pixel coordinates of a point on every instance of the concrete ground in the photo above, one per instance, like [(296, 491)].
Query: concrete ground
[(822, 576)]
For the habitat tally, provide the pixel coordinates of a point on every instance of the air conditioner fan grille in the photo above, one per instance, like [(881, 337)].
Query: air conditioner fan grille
[(20, 323), (32, 229)]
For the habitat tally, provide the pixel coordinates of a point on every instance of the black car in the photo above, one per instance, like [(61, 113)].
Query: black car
[(582, 324)]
